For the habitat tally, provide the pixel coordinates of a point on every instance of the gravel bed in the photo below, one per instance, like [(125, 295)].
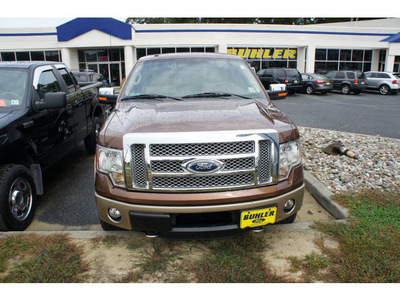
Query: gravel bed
[(378, 165)]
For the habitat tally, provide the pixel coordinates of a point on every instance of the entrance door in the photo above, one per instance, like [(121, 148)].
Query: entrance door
[(115, 74)]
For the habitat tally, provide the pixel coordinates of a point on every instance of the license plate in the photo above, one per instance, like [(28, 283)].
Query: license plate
[(295, 81), (258, 217), (328, 83)]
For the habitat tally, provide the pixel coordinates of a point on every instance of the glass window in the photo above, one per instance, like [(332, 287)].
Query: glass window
[(68, 80), (52, 56), (345, 55), (339, 75), (91, 56), (140, 52), (367, 67), (210, 49), (183, 49), (333, 54), (182, 77), (102, 55), (168, 50), (47, 84), (12, 88), (81, 56), (197, 49), (37, 55), (368, 55), (23, 55), (7, 56), (357, 55), (152, 51), (320, 54)]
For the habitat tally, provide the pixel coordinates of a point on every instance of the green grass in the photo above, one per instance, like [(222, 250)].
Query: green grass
[(368, 252), (34, 259), (369, 245), (236, 260)]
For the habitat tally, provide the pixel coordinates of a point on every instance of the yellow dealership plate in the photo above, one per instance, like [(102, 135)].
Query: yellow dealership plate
[(259, 217)]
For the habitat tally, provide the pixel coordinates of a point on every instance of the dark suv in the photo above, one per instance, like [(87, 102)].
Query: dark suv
[(348, 81), (290, 77)]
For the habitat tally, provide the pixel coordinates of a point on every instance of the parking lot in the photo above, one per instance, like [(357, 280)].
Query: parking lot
[(69, 202), (368, 113)]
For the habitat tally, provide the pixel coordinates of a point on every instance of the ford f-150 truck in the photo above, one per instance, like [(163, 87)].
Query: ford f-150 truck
[(44, 114), (195, 148)]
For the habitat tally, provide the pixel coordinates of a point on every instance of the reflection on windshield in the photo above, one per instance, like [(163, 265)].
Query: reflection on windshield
[(190, 76), (12, 88)]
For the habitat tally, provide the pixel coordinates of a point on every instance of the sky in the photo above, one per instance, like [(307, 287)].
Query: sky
[(51, 13)]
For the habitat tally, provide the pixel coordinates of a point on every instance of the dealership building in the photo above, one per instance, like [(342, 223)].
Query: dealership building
[(112, 47)]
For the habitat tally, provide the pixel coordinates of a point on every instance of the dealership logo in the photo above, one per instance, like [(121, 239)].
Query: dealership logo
[(264, 53), (203, 166)]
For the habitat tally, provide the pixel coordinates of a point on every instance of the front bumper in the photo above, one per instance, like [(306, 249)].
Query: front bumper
[(192, 221)]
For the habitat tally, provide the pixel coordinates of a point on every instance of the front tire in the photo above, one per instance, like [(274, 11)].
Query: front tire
[(108, 227), (17, 198), (289, 220)]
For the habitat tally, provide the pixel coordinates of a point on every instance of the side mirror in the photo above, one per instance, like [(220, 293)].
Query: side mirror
[(107, 95), (53, 100)]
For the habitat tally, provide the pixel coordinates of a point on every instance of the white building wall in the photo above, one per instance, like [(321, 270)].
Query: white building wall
[(221, 36)]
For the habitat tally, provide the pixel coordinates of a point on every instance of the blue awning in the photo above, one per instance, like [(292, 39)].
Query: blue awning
[(79, 26), (395, 38)]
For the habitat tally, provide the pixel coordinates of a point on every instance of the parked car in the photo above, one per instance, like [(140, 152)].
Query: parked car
[(384, 82), (290, 77), (44, 114), (315, 83), (192, 154), (85, 77), (348, 81)]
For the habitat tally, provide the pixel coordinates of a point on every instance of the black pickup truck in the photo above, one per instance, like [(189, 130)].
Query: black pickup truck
[(44, 114)]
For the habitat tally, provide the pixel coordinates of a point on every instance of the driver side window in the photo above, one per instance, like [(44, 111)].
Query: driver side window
[(47, 84)]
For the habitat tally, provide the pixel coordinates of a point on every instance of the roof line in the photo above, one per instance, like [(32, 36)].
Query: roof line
[(259, 31), (28, 34)]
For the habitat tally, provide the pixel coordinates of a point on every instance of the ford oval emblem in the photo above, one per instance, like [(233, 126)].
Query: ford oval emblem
[(204, 166)]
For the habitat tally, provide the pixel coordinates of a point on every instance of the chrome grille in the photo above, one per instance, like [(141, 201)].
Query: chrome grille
[(201, 182), (203, 149), (138, 166), (175, 166), (162, 161), (264, 161)]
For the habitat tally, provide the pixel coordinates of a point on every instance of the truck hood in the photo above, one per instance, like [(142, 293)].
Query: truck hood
[(8, 117), (194, 115)]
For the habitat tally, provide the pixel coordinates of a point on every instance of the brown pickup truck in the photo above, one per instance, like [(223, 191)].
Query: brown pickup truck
[(194, 148)]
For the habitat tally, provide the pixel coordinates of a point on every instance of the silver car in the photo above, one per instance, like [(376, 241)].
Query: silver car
[(384, 82)]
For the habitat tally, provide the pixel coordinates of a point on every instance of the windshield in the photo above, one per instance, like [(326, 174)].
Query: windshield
[(12, 88), (183, 77)]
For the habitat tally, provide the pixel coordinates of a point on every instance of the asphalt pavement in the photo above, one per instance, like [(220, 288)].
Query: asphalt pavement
[(368, 113)]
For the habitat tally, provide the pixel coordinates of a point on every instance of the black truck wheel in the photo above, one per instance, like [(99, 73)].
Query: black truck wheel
[(17, 198), (91, 139)]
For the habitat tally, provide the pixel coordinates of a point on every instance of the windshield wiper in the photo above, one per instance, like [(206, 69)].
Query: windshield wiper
[(214, 95), (149, 96)]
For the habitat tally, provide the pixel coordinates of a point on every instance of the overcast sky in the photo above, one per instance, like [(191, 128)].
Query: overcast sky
[(51, 13)]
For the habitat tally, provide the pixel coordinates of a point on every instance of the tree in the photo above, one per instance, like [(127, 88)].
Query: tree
[(287, 21)]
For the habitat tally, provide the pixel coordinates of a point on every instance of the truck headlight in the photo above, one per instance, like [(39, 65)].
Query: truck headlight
[(111, 162), (289, 156)]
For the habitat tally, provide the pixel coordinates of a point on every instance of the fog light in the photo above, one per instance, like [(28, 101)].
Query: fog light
[(289, 205), (114, 214)]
